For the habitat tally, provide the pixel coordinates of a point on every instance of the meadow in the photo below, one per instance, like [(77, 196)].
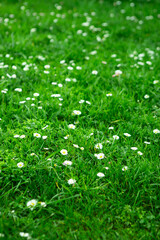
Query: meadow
[(79, 120)]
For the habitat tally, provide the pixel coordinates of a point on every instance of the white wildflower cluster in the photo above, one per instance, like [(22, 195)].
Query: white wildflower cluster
[(76, 109)]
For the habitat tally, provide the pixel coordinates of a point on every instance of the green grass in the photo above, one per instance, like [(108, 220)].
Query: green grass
[(123, 204)]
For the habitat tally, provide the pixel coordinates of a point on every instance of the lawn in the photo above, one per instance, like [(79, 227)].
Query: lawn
[(79, 120)]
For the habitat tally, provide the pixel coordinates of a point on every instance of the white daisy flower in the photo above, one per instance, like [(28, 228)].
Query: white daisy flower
[(100, 174), (125, 168), (156, 131), (115, 137), (107, 168), (71, 181), (36, 94), (140, 153), (21, 102), (64, 152), (76, 112), (117, 73), (54, 83), (62, 61), (31, 204), (94, 72), (68, 80), (70, 68), (148, 62), (93, 52), (109, 94), (67, 163), (75, 145), (18, 89), (134, 148), (37, 135), (98, 146), (79, 31), (22, 136), (66, 137), (71, 126), (47, 66), (3, 91), (43, 204), (56, 95), (44, 137), (16, 136), (141, 63), (32, 154), (146, 96), (89, 103), (26, 69), (33, 30), (46, 72), (100, 155), (14, 67), (14, 76), (155, 81), (78, 68), (81, 101), (26, 235), (20, 164), (127, 134)]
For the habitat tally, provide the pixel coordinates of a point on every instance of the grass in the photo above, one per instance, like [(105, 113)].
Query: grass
[(121, 204)]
